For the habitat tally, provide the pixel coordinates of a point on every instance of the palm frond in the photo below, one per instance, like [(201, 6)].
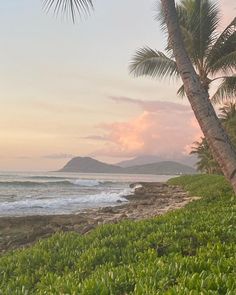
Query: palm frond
[(149, 62), (181, 91), (226, 63), (225, 46), (200, 19), (228, 111), (160, 16), (70, 8), (226, 91)]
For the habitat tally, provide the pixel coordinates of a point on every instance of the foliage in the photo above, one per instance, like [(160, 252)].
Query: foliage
[(206, 163), (69, 8), (189, 251), (210, 52), (228, 118)]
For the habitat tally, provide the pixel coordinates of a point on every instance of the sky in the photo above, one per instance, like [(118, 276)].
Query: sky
[(65, 89)]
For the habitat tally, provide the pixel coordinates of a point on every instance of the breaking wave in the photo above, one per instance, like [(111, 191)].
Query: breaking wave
[(71, 182), (60, 205)]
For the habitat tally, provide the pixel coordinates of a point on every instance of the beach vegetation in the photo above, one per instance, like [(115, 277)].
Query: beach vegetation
[(187, 251)]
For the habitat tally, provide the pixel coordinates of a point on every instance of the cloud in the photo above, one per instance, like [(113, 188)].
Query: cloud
[(23, 157), (163, 128), (152, 105), (15, 157), (96, 137), (58, 156)]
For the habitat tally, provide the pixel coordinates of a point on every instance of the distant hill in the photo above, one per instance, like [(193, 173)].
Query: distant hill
[(165, 167), (90, 165), (140, 160), (188, 160)]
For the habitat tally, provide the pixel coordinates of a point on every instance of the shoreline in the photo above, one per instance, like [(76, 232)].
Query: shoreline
[(149, 200)]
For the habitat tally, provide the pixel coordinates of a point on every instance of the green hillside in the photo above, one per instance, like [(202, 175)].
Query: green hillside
[(189, 251)]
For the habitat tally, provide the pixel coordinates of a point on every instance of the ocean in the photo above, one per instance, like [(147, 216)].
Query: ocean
[(38, 193)]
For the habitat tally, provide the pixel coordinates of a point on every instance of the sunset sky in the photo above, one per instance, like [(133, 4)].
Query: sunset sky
[(65, 89)]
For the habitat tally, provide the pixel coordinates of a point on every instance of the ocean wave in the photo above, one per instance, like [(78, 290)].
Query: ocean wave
[(88, 182), (45, 177), (34, 183), (66, 182), (60, 205)]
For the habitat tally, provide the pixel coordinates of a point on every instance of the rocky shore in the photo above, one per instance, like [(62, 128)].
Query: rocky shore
[(149, 200)]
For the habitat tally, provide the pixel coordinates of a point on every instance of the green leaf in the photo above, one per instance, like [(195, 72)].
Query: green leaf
[(153, 63), (181, 92), (222, 55), (226, 91)]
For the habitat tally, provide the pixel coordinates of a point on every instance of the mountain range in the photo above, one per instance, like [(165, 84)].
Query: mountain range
[(189, 160), (90, 165)]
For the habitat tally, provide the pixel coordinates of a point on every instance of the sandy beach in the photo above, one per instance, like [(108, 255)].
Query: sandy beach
[(149, 200)]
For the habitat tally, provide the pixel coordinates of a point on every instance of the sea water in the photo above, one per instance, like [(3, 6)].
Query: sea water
[(38, 193)]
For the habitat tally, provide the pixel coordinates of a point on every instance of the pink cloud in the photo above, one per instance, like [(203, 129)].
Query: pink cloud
[(197, 135), (163, 128)]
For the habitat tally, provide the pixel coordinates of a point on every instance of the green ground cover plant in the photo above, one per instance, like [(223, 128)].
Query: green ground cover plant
[(188, 251)]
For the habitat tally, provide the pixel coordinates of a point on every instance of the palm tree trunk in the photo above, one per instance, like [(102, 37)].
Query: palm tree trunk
[(218, 140)]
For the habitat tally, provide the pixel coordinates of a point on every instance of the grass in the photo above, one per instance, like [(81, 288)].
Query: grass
[(189, 251)]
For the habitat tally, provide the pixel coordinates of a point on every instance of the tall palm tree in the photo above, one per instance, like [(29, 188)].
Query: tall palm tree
[(213, 55), (197, 94), (222, 149)]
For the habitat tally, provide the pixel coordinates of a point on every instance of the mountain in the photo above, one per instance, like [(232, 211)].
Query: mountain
[(165, 167), (140, 160), (90, 165), (149, 159)]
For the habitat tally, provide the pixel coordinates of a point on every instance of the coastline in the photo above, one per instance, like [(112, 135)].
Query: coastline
[(149, 200)]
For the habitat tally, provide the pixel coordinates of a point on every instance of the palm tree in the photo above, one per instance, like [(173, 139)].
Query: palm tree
[(222, 149), (206, 162), (228, 119), (213, 55), (197, 94)]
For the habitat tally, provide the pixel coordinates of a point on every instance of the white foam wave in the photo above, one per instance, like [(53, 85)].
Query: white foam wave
[(62, 205), (137, 186), (89, 182), (86, 182)]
